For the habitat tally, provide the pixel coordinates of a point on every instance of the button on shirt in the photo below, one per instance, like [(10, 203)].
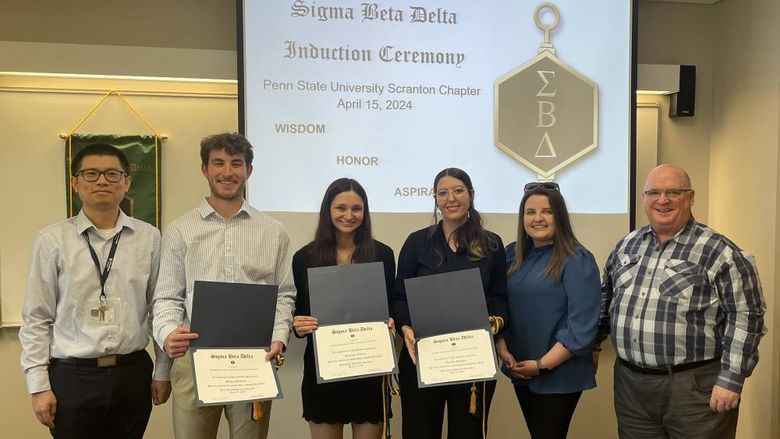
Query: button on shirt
[(250, 247), (63, 285), (695, 297)]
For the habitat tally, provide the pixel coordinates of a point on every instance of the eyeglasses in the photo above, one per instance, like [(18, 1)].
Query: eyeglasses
[(457, 192), (548, 185), (672, 194), (93, 175)]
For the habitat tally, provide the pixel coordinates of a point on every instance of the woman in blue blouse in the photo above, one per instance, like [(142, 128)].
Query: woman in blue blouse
[(554, 297)]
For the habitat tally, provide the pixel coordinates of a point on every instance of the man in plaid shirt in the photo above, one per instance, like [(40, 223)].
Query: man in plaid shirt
[(685, 310)]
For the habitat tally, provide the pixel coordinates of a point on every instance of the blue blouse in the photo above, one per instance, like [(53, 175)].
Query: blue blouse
[(543, 311)]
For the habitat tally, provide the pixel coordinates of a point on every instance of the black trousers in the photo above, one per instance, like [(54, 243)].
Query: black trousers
[(423, 409), (109, 402), (547, 415)]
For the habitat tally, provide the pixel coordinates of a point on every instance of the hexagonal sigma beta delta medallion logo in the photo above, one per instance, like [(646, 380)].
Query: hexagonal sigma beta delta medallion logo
[(546, 112)]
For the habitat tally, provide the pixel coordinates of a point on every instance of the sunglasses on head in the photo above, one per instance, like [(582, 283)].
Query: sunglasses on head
[(548, 185)]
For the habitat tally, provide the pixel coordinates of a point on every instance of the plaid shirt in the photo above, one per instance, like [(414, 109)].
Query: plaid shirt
[(695, 297)]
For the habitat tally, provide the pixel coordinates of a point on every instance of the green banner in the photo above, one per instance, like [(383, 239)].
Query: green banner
[(143, 199)]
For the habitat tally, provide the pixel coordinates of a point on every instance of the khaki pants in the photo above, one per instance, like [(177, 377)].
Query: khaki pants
[(193, 422)]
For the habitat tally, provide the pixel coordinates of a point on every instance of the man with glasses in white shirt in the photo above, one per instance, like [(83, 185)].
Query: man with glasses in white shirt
[(223, 240), (86, 325), (685, 310)]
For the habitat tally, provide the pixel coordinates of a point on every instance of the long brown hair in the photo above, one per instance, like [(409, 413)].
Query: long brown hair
[(472, 234), (564, 241), (323, 248)]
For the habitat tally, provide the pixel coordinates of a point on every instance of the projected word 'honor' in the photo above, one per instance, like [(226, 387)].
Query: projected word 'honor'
[(357, 160)]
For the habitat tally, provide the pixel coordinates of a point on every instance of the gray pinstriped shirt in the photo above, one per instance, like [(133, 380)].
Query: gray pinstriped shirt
[(250, 247), (695, 297)]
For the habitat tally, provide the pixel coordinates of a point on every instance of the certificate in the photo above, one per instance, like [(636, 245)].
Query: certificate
[(350, 304), (235, 323), (353, 350), (450, 320), (234, 375), (456, 357)]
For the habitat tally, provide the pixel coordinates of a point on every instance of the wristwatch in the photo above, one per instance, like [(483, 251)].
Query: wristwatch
[(542, 370)]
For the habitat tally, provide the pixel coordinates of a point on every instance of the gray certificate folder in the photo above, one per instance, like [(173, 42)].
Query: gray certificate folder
[(350, 293), (447, 302), (347, 294), (233, 315), (228, 315)]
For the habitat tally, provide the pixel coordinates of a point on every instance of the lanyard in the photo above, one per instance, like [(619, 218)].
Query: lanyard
[(109, 261)]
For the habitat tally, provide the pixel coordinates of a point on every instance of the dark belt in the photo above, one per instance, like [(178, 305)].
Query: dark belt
[(668, 369), (106, 361)]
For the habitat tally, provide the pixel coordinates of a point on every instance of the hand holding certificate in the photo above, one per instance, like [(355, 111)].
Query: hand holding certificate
[(455, 343), (233, 375), (235, 323), (455, 357), (353, 350), (352, 339)]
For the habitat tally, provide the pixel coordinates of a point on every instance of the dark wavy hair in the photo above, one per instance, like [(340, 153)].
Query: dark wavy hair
[(232, 143), (472, 235), (564, 241), (323, 248)]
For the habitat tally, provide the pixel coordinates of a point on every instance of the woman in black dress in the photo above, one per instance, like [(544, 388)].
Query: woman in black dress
[(343, 236), (457, 242)]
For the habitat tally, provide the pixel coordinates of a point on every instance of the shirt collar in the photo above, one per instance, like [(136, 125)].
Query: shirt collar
[(83, 223), (540, 249), (683, 236), (205, 210)]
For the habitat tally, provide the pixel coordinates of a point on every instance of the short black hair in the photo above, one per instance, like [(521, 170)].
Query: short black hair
[(98, 149), (232, 143)]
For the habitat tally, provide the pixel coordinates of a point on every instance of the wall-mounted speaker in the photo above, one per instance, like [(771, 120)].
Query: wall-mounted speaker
[(683, 103)]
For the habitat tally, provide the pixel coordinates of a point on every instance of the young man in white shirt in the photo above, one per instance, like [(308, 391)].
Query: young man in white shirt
[(225, 240)]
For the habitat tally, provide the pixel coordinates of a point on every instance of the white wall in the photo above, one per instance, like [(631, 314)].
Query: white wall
[(94, 59)]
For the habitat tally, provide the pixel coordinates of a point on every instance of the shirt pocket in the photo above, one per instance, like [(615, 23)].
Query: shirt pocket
[(625, 273), (680, 280)]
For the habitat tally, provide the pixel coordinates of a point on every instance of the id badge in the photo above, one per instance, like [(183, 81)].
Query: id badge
[(105, 312)]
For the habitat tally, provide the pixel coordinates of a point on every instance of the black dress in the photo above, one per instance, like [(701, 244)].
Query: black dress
[(426, 252), (344, 402)]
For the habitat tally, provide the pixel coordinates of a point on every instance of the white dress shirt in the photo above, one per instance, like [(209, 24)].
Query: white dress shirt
[(250, 247), (63, 284)]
